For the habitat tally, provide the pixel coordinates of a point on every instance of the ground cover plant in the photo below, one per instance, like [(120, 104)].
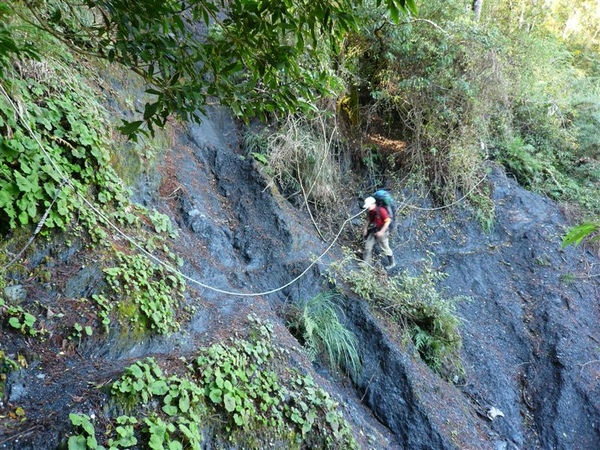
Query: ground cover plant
[(316, 324), (231, 393)]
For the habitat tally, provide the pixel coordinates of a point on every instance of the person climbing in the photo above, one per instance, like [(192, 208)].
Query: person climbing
[(377, 229)]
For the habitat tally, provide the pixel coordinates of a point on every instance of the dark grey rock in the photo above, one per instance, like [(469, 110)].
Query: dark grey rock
[(529, 340)]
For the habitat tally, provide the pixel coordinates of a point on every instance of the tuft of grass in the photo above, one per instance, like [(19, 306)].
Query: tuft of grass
[(485, 209), (568, 279), (322, 333), (302, 159)]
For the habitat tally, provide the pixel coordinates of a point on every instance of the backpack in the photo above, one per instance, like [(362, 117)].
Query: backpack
[(385, 199)]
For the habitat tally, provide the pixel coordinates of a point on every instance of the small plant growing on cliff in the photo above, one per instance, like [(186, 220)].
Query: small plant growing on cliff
[(125, 433), (162, 223), (415, 302), (257, 398), (21, 320), (79, 330), (7, 365), (105, 309), (568, 279), (238, 391), (317, 325), (147, 293), (86, 438), (142, 379)]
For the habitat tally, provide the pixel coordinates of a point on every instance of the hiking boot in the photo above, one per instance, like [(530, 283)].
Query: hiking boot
[(392, 263)]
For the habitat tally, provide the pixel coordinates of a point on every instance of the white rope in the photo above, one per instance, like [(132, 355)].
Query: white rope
[(37, 230), (456, 202), (167, 266)]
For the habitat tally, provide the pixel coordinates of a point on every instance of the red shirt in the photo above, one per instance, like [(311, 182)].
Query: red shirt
[(378, 216)]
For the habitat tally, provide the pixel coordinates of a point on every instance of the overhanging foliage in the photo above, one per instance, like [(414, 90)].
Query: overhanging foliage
[(256, 56)]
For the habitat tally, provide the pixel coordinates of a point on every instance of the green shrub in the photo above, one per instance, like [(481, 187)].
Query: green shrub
[(415, 302), (430, 86)]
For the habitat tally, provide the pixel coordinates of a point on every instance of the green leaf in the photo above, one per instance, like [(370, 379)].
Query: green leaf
[(239, 420), (306, 426), (6, 196), (170, 410), (24, 184), (29, 319), (175, 445), (394, 13), (88, 427), (159, 387), (127, 439), (576, 234), (412, 6), (229, 402), (129, 128), (32, 209), (91, 440), (75, 419), (77, 443), (24, 218), (135, 370), (184, 403), (150, 110), (215, 395)]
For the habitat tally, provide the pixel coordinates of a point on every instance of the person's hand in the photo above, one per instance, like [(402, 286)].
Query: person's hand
[(378, 234)]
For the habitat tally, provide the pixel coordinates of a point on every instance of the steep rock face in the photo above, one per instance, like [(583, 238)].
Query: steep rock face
[(528, 331), (243, 228), (531, 329), (530, 338)]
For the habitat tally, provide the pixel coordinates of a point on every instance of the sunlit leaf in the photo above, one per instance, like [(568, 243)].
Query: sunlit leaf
[(578, 233)]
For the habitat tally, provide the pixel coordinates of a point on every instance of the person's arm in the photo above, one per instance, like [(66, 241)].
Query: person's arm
[(386, 225), (367, 223)]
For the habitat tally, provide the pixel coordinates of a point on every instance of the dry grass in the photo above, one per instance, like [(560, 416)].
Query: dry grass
[(301, 158)]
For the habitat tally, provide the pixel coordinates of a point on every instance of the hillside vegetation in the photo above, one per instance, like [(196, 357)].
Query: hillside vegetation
[(520, 88)]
